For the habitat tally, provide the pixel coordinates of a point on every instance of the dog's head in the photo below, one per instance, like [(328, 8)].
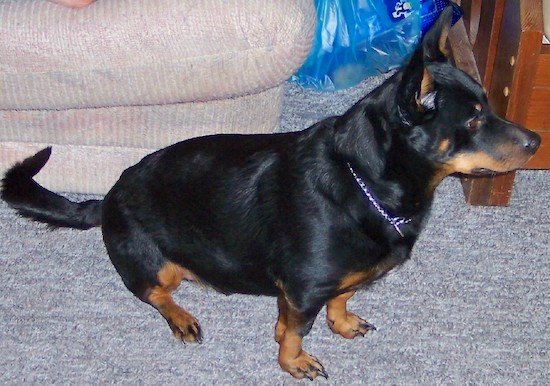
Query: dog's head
[(450, 113), (436, 116)]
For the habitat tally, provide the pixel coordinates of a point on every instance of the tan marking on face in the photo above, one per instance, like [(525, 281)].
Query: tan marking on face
[(478, 107), (468, 162), (444, 145)]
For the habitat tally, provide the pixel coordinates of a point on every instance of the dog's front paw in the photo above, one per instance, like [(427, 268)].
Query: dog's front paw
[(303, 366), (350, 326)]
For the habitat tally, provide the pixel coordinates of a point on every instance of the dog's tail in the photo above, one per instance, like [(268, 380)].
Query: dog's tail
[(31, 200)]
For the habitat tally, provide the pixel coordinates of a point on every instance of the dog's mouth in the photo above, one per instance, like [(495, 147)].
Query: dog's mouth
[(483, 172)]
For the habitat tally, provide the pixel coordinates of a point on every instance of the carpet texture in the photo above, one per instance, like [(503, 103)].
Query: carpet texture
[(470, 307)]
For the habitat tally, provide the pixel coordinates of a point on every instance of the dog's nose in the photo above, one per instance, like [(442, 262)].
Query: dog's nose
[(532, 143), (529, 140)]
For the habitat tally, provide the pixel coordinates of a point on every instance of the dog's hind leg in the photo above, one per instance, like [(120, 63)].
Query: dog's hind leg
[(147, 273), (184, 325)]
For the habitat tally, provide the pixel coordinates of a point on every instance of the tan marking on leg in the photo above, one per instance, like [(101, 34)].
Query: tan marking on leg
[(171, 275), (351, 281), (184, 326), (339, 319), (188, 275), (292, 358), (280, 327), (354, 279), (343, 322)]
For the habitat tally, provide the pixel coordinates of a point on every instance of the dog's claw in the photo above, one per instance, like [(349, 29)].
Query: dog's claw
[(323, 373), (196, 332), (306, 374), (368, 327), (365, 327), (313, 370)]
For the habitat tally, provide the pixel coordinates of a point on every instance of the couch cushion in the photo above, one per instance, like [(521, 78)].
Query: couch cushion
[(142, 52), (91, 147), (148, 127)]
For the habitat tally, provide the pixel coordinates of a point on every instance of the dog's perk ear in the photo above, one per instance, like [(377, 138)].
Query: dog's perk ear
[(434, 43), (416, 92)]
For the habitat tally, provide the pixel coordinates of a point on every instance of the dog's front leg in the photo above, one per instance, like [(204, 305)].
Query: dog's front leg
[(343, 322), (291, 328)]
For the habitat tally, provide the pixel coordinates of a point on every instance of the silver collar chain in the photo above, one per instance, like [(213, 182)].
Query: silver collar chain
[(396, 222)]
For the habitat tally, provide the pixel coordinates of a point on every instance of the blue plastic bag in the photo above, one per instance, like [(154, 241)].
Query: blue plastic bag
[(356, 39), (431, 10)]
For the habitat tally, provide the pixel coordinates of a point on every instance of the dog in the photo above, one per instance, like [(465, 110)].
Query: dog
[(307, 217)]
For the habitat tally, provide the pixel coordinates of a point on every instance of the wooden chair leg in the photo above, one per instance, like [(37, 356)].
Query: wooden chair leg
[(495, 190)]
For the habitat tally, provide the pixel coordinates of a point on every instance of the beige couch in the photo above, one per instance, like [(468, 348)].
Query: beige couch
[(109, 83)]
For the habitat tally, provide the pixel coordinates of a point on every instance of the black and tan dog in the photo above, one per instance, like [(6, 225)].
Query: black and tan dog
[(308, 216)]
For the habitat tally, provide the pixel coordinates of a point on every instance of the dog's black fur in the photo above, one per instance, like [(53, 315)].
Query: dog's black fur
[(282, 214)]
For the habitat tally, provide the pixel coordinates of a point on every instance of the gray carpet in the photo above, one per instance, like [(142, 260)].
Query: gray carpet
[(471, 307)]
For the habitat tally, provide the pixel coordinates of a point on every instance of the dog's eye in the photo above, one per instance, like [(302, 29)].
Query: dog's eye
[(474, 123)]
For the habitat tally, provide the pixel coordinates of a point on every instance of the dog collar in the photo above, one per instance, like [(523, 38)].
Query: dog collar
[(396, 222)]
